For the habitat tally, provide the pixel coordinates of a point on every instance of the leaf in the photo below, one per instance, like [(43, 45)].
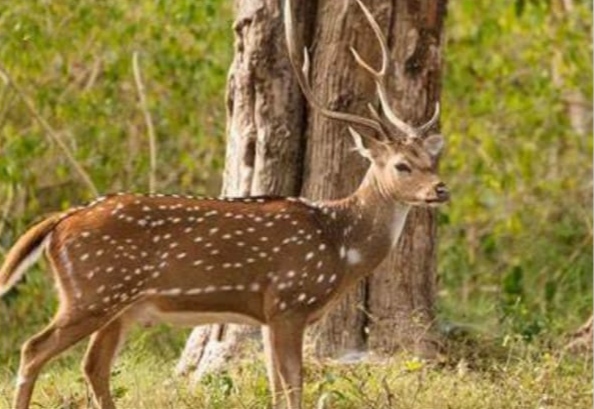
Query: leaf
[(413, 365)]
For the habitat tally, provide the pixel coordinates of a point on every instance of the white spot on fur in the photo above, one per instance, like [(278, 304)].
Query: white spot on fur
[(172, 291), (353, 256), (69, 271), (194, 291)]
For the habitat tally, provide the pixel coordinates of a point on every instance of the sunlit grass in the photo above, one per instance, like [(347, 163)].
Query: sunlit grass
[(490, 376)]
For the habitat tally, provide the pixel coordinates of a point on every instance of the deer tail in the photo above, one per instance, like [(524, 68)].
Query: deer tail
[(26, 251)]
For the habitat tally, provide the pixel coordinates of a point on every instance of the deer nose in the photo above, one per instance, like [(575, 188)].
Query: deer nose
[(443, 194)]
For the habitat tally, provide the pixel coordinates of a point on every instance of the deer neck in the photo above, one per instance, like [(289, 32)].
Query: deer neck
[(366, 225)]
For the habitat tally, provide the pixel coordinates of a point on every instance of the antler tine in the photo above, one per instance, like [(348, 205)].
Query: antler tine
[(379, 75), (375, 115), (423, 128), (303, 79), (374, 112)]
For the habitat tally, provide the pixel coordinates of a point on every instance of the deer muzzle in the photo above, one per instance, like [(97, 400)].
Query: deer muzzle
[(442, 193)]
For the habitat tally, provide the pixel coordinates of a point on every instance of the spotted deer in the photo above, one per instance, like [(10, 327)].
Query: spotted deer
[(275, 262)]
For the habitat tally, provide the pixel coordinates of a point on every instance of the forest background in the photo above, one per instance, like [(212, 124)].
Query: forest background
[(515, 258)]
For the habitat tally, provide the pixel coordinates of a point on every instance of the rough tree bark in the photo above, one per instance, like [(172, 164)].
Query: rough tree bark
[(276, 145), (403, 290), (264, 146), (393, 309)]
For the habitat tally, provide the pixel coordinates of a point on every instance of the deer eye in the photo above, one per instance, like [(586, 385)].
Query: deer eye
[(403, 167)]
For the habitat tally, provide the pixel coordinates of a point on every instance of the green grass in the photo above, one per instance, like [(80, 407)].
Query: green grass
[(491, 376)]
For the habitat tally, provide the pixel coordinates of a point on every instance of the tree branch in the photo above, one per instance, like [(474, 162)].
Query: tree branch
[(49, 131), (148, 121)]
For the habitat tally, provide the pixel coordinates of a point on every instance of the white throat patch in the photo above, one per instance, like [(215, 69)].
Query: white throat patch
[(398, 220)]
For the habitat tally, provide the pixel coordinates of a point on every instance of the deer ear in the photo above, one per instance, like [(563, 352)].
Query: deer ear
[(368, 149), (359, 147), (433, 144)]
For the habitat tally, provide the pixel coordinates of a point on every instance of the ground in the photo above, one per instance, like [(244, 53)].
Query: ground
[(476, 372)]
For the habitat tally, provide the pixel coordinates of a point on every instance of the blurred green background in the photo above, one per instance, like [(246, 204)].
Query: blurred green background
[(515, 253)]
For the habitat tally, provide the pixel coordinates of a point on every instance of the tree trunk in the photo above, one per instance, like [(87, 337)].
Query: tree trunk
[(332, 170), (264, 147), (402, 291), (276, 145), (394, 308)]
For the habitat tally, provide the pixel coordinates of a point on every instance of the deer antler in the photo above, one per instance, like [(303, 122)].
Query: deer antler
[(378, 76), (423, 128), (302, 75)]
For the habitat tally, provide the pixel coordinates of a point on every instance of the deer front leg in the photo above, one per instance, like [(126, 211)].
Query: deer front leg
[(99, 358), (283, 344)]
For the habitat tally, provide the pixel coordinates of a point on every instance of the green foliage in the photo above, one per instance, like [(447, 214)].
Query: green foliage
[(516, 242), (74, 60)]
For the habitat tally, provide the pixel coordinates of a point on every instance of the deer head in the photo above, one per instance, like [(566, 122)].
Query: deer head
[(403, 157)]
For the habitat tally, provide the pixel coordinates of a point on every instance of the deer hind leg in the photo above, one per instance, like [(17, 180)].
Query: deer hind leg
[(64, 331), (99, 358), (283, 343)]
